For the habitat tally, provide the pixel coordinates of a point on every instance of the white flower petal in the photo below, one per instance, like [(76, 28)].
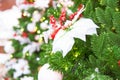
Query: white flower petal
[(26, 48), (41, 3), (83, 27), (62, 42), (17, 74)]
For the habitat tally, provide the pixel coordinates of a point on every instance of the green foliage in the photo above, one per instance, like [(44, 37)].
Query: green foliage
[(116, 22), (103, 2), (100, 15), (106, 55), (109, 16), (55, 12), (112, 3), (100, 43), (89, 9), (96, 76), (100, 51)]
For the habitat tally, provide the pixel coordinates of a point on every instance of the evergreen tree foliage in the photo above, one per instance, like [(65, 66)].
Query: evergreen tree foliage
[(96, 59)]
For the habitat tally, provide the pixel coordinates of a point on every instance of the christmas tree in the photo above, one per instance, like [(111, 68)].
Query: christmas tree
[(79, 39)]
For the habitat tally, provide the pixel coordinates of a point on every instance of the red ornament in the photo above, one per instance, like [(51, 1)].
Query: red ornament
[(6, 78), (14, 34), (119, 63), (71, 16), (24, 34)]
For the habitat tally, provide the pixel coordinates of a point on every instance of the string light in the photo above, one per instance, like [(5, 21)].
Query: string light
[(40, 40), (11, 56), (35, 29), (27, 54), (66, 68), (76, 54), (42, 19), (112, 66), (22, 29), (117, 9), (37, 58), (38, 32), (58, 5), (31, 19)]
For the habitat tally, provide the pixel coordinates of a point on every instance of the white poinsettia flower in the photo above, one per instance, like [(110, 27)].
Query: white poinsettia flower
[(8, 48), (4, 58), (41, 3), (44, 25), (31, 27), (66, 3), (32, 47), (3, 70), (22, 40), (64, 40), (36, 16), (21, 67), (46, 35), (10, 63), (27, 78), (83, 27), (19, 2), (25, 6)]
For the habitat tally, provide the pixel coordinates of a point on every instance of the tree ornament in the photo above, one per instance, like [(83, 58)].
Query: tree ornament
[(41, 3), (32, 47), (62, 17), (36, 16), (15, 34), (44, 25), (24, 35), (119, 63), (37, 37), (8, 48), (21, 67), (53, 21), (75, 29), (31, 27), (46, 74), (4, 58), (27, 78), (7, 78), (3, 71)]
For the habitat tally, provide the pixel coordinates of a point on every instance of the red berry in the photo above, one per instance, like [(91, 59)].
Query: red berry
[(14, 34), (71, 16), (119, 62), (6, 78), (52, 20), (24, 34)]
